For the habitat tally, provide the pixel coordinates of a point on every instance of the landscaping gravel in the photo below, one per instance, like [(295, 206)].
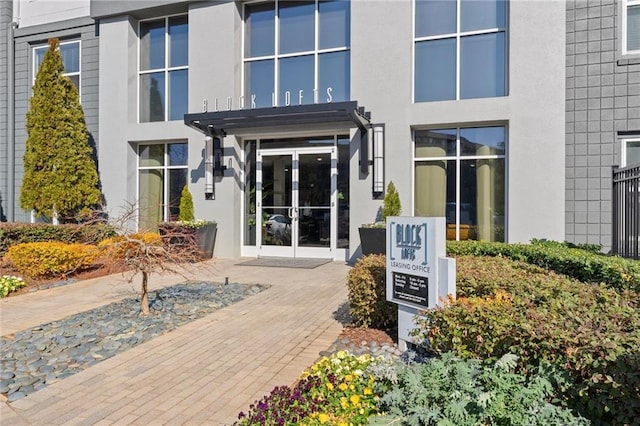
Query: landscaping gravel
[(34, 358), (372, 348)]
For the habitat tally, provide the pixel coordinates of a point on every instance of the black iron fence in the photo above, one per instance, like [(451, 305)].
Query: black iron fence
[(626, 211)]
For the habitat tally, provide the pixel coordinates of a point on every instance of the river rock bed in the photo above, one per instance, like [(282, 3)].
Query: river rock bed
[(34, 358)]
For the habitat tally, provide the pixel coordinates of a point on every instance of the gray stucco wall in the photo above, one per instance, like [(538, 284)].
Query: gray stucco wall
[(381, 80), (25, 40), (5, 21), (602, 103)]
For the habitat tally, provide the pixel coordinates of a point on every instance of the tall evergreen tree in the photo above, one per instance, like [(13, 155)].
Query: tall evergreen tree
[(60, 175)]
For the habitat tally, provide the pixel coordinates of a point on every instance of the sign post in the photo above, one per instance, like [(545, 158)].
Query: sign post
[(419, 275)]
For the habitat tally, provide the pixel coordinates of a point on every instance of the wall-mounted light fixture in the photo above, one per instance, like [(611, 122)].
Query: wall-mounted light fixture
[(208, 168), (378, 160)]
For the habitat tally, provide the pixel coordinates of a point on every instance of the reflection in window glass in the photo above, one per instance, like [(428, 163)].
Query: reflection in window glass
[(250, 221), (152, 97), (164, 92), (259, 82), (435, 143), (460, 49), (482, 141), (482, 66), (308, 59), (161, 176), (259, 30), (296, 74), (633, 28), (435, 72), (179, 86), (482, 15), (179, 41), (435, 17), (633, 153), (296, 21), (334, 72), (152, 35), (468, 187), (334, 22), (70, 57)]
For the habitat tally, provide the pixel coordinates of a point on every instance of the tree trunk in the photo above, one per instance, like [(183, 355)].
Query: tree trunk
[(144, 300)]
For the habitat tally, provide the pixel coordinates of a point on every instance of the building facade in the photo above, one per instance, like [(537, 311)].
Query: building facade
[(288, 119)]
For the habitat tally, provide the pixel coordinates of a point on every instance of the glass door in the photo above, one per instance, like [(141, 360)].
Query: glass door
[(297, 193)]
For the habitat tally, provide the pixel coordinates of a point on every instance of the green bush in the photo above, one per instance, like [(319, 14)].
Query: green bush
[(366, 284), (9, 283), (450, 391), (589, 331), (50, 259), (16, 233), (584, 265)]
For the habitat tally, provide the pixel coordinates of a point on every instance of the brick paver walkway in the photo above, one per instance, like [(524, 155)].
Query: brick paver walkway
[(202, 373)]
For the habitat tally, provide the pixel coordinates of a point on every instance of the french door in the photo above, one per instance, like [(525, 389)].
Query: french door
[(296, 208)]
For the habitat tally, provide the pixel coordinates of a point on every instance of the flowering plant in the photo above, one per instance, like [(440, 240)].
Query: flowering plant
[(193, 224), (9, 283), (336, 390)]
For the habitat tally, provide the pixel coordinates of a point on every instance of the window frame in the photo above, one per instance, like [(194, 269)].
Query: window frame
[(277, 56), (45, 47), (166, 69), (166, 214), (625, 147), (458, 158), (626, 5), (458, 35)]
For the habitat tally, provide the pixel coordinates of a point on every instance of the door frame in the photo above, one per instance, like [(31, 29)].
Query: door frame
[(295, 250)]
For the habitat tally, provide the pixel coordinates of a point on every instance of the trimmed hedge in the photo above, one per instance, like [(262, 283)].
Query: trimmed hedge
[(50, 259), (584, 265), (367, 288), (16, 233), (589, 331)]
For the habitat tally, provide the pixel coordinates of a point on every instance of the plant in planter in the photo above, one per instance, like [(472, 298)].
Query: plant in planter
[(373, 236), (203, 231)]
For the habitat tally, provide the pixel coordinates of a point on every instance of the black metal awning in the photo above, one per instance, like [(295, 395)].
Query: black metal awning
[(339, 114)]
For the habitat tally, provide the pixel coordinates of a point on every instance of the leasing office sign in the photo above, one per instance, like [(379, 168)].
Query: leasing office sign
[(411, 261)]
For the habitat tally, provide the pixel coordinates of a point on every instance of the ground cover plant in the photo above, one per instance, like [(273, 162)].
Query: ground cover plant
[(453, 391), (590, 332)]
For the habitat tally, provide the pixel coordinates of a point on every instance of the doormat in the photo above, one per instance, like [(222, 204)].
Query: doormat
[(285, 262)]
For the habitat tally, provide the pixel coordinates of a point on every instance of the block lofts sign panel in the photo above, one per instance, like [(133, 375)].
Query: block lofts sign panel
[(414, 245)]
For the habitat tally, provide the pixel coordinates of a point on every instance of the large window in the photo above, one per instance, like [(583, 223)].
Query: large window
[(296, 52), (460, 49), (631, 26), (164, 69), (460, 175), (70, 51), (162, 173)]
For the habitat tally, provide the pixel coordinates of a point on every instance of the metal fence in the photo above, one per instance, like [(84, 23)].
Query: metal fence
[(626, 212)]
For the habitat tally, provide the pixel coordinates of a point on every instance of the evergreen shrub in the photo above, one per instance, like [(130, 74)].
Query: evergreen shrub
[(186, 206), (587, 330), (16, 233), (584, 265), (366, 284), (51, 259)]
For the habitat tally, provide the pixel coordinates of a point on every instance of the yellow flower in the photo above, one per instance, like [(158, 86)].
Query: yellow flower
[(343, 403), (330, 386), (343, 424), (348, 377), (343, 386), (355, 399), (324, 418), (352, 387), (368, 391)]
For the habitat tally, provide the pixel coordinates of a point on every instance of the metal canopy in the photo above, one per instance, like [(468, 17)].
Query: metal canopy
[(221, 123)]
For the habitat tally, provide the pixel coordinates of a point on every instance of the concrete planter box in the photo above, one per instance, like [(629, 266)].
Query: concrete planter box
[(373, 240), (203, 236)]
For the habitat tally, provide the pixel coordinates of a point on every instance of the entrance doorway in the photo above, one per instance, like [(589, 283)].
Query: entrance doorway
[(296, 195)]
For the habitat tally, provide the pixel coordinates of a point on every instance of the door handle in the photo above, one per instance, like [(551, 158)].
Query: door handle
[(290, 212)]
